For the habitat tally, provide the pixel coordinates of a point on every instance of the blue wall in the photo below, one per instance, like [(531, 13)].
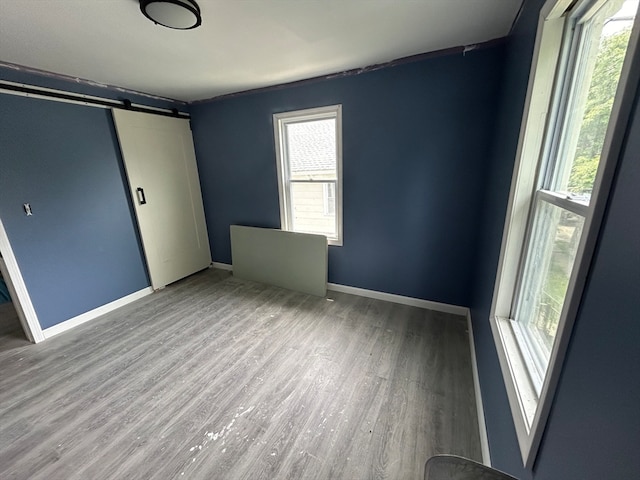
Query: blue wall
[(415, 147), (80, 249), (594, 426)]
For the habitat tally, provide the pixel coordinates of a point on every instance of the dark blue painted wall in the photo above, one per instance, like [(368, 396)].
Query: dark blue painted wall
[(415, 147), (80, 249), (594, 426)]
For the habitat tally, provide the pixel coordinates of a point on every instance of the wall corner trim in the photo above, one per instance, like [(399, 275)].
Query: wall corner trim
[(482, 426), (95, 313)]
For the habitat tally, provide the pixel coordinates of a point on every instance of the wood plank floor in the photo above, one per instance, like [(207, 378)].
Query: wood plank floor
[(220, 378)]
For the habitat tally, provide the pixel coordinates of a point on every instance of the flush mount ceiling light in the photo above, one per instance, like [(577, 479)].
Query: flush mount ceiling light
[(178, 14)]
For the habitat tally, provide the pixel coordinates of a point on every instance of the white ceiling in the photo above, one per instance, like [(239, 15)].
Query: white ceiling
[(242, 44)]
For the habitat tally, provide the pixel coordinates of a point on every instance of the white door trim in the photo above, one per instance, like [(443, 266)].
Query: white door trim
[(18, 290)]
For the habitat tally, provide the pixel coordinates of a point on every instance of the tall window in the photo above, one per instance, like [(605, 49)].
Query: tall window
[(309, 158), (571, 136)]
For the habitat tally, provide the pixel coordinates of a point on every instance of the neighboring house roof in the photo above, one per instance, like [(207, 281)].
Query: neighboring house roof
[(312, 145)]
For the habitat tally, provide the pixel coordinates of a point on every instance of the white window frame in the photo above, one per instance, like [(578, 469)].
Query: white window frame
[(280, 120), (538, 113), (326, 198)]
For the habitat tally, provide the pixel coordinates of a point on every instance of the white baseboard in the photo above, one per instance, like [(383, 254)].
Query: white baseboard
[(95, 313), (482, 426), (390, 297), (222, 266)]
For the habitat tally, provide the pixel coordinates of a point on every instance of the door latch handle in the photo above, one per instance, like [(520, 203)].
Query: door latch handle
[(141, 197)]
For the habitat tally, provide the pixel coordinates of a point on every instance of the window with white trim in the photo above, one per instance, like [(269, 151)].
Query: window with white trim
[(578, 102), (309, 159)]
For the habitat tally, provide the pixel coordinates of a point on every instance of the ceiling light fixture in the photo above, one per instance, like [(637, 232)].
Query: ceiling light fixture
[(178, 14)]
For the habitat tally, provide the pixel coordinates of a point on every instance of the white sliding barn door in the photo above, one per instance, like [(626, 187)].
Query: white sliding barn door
[(163, 178)]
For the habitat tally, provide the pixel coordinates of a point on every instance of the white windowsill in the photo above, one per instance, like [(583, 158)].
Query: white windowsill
[(520, 380), (523, 399)]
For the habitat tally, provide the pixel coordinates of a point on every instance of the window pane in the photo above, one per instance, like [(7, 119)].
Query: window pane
[(309, 213), (554, 244), (605, 39), (311, 149), (330, 199)]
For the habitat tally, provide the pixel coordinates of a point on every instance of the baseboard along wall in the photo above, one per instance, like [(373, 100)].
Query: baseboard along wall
[(482, 426), (95, 313), (222, 266), (389, 297)]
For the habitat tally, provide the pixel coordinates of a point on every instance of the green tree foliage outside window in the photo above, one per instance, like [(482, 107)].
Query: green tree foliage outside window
[(597, 111)]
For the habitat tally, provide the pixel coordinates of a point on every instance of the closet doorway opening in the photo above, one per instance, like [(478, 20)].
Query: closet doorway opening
[(11, 329), (18, 319)]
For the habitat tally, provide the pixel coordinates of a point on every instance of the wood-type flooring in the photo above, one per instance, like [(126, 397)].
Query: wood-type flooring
[(219, 378)]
